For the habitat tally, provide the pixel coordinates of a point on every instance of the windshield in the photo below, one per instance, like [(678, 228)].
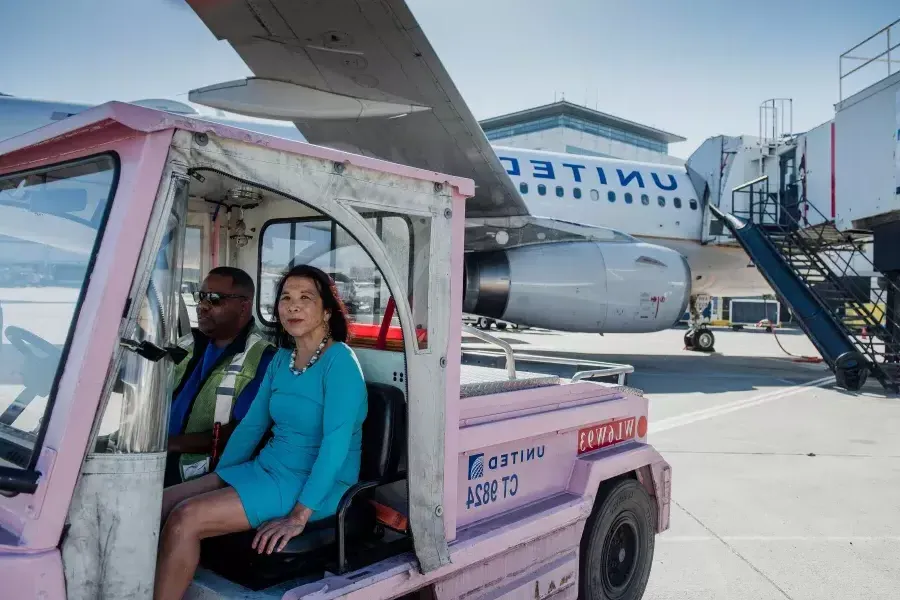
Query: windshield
[(49, 225), (135, 418)]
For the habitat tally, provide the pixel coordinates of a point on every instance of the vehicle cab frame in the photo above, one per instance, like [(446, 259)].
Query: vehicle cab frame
[(98, 446)]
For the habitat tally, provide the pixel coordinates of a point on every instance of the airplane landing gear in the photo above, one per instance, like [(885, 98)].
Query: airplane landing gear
[(698, 337), (700, 340)]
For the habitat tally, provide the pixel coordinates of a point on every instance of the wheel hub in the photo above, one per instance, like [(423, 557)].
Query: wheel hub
[(620, 556)]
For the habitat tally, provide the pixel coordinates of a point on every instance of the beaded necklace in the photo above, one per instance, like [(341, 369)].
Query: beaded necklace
[(312, 359)]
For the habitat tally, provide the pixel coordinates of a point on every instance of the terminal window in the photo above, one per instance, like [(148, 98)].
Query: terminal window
[(577, 124)]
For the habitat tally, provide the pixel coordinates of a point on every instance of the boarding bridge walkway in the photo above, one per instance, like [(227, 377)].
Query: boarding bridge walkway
[(811, 267)]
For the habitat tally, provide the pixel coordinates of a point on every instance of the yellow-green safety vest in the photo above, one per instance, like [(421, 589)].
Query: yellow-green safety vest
[(216, 398)]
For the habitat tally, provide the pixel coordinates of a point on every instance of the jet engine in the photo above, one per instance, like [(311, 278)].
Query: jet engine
[(579, 286)]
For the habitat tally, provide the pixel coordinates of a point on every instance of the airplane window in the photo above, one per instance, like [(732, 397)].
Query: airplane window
[(645, 199), (628, 198), (559, 191), (611, 196), (677, 202), (693, 204), (595, 195), (661, 200), (577, 193), (523, 187), (542, 189)]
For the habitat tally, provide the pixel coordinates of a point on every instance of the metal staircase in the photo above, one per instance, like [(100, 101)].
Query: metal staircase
[(814, 268)]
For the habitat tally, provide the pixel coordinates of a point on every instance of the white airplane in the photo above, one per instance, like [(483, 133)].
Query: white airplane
[(366, 80), (655, 203), (523, 269)]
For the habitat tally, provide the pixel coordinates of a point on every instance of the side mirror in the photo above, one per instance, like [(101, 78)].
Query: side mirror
[(154, 353), (17, 481)]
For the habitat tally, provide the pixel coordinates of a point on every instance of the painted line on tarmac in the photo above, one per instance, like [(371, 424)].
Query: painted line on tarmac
[(724, 409), (778, 538)]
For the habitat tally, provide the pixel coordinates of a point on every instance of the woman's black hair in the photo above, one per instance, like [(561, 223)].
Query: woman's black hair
[(338, 323)]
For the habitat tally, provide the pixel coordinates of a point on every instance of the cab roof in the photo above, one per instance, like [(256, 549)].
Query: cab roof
[(148, 120)]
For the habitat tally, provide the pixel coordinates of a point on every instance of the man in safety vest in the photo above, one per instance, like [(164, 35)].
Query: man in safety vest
[(218, 380)]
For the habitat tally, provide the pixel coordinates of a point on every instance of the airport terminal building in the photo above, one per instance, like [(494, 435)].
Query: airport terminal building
[(573, 129)]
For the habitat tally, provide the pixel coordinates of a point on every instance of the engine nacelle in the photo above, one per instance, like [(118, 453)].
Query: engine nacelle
[(582, 286)]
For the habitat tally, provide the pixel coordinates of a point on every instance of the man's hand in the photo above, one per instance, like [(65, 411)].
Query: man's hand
[(191, 443), (275, 534)]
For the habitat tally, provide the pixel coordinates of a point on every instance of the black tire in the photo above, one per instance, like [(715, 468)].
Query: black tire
[(851, 370), (500, 326), (617, 544), (704, 340), (689, 339)]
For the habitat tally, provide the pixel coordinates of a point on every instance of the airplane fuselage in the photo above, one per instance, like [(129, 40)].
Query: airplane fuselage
[(655, 203)]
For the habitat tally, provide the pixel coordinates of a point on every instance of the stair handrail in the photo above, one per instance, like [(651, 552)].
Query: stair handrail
[(801, 235), (880, 57), (801, 241), (749, 186), (805, 204)]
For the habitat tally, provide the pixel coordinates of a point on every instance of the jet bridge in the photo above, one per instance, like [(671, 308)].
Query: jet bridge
[(817, 211)]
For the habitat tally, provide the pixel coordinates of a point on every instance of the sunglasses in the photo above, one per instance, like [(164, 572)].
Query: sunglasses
[(215, 298)]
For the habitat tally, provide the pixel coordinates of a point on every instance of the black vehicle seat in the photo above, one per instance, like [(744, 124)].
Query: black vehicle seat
[(383, 448), (383, 443)]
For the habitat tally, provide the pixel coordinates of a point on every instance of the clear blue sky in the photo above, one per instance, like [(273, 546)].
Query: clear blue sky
[(697, 68)]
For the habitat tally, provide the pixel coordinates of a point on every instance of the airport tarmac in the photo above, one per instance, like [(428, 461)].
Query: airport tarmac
[(783, 486)]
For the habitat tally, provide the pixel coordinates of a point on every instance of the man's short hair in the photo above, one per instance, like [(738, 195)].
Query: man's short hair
[(240, 280)]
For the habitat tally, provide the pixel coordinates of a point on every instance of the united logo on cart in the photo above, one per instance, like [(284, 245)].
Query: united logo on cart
[(476, 466)]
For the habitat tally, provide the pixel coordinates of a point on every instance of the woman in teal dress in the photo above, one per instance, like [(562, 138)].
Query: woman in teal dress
[(313, 398)]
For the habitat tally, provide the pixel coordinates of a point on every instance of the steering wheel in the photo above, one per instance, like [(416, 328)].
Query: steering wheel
[(41, 361)]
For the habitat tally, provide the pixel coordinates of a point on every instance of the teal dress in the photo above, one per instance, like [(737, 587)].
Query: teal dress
[(313, 456)]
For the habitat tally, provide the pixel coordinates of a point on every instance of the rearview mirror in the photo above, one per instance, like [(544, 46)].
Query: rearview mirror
[(58, 201)]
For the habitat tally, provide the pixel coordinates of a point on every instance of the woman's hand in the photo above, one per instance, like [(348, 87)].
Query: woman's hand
[(275, 534)]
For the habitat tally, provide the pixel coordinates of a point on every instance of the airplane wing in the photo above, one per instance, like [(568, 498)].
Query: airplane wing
[(360, 76)]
